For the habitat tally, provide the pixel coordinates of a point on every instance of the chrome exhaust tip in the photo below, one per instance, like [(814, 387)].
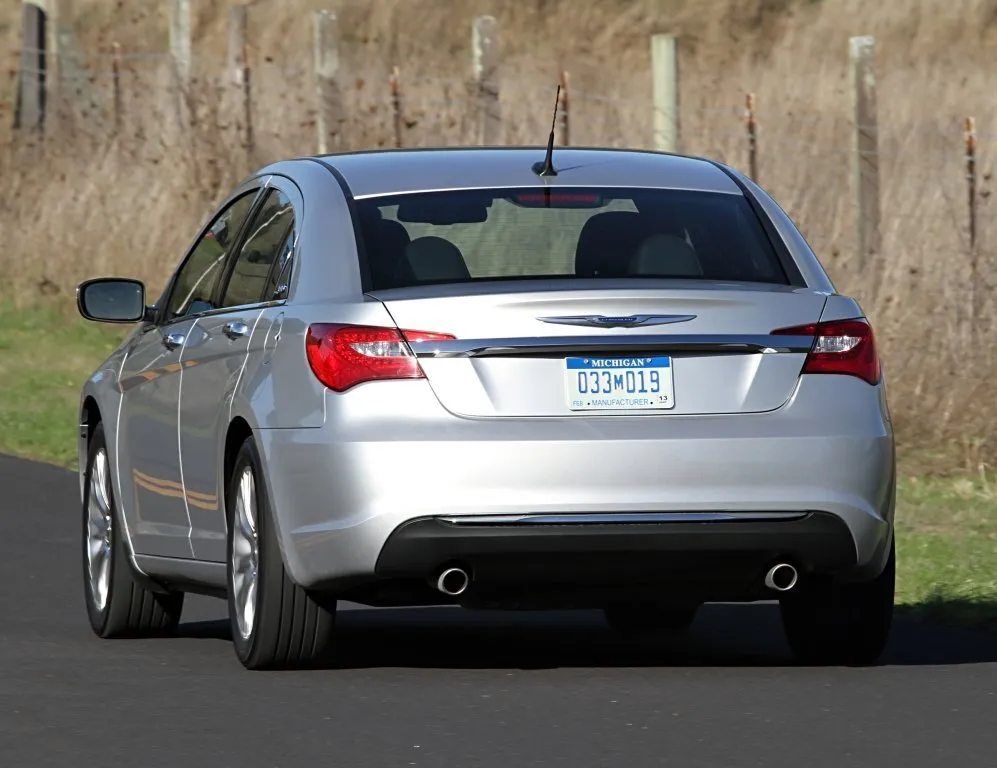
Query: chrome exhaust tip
[(453, 581), (781, 577)]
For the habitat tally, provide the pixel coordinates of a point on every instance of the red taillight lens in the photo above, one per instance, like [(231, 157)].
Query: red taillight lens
[(840, 346), (342, 356)]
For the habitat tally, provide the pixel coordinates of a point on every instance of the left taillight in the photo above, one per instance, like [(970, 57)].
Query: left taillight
[(840, 346), (342, 356)]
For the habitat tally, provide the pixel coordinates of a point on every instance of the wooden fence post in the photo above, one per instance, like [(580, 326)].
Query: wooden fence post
[(865, 154), (58, 12), (238, 20), (974, 253), (665, 74), (970, 141), (237, 97), (29, 111), (396, 105), (247, 110), (180, 56), (751, 125), (116, 85), (328, 93), (565, 111), (70, 86), (180, 40), (485, 53)]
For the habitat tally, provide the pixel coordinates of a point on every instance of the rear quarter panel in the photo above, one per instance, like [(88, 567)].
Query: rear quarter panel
[(278, 389)]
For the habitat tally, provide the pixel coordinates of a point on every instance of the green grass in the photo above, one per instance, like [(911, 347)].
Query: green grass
[(947, 526), (947, 550), (45, 356)]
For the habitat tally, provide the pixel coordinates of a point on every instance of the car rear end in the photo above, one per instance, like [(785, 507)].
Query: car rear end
[(563, 395)]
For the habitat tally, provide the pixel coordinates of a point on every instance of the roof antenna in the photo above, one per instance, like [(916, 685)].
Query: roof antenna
[(546, 168)]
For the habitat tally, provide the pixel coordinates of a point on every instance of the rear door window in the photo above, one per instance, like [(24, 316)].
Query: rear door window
[(197, 279)]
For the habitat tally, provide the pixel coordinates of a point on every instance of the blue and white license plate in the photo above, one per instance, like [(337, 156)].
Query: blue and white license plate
[(619, 383)]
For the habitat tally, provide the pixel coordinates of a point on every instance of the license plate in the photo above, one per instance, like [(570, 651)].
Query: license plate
[(619, 383)]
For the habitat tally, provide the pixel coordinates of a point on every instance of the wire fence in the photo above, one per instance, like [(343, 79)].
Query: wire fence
[(271, 109)]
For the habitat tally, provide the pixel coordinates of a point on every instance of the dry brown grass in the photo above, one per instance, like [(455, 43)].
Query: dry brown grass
[(96, 201)]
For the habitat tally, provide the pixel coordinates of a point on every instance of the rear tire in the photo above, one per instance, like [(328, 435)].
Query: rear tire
[(275, 623), (631, 619), (118, 605), (837, 623)]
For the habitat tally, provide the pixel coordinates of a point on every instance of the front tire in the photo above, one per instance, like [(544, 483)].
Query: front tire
[(275, 623), (835, 623), (117, 604)]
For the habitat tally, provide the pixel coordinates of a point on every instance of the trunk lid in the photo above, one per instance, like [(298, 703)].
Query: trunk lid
[(534, 350)]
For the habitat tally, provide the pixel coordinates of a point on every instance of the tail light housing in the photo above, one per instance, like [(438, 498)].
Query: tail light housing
[(845, 347), (342, 356)]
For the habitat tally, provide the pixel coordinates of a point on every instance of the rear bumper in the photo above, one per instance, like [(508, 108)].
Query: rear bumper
[(360, 498), (718, 560)]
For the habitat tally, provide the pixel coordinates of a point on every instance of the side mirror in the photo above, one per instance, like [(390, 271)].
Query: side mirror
[(112, 300)]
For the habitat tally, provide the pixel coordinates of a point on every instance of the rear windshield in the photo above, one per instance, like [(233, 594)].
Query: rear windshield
[(542, 233)]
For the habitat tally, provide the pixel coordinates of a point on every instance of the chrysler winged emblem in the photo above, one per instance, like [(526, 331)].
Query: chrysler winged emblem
[(616, 321)]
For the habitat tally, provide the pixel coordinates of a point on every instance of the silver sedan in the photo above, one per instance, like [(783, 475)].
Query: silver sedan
[(454, 376)]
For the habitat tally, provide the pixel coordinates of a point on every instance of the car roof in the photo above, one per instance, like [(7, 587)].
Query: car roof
[(398, 171)]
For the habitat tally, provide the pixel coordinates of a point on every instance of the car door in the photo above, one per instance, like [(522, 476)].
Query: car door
[(213, 359), (151, 381)]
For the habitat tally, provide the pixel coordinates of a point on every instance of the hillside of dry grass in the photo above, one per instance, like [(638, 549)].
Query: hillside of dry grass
[(100, 198)]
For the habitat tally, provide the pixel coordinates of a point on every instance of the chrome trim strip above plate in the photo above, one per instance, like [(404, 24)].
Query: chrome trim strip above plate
[(614, 344)]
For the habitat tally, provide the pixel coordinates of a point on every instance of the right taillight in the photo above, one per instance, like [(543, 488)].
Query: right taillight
[(845, 347)]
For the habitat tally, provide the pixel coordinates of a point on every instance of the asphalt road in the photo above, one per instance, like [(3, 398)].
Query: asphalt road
[(444, 687)]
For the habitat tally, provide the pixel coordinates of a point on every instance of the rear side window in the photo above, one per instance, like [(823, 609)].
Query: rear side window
[(280, 275), (264, 242), (461, 236)]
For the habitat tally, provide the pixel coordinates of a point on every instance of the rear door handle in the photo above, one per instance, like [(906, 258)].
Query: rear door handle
[(173, 340), (235, 330)]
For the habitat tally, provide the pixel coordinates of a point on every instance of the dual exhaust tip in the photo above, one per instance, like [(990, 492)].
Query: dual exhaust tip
[(781, 577), (453, 581)]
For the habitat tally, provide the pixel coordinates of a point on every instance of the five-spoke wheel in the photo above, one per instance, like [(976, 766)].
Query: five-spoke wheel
[(117, 603), (275, 623)]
